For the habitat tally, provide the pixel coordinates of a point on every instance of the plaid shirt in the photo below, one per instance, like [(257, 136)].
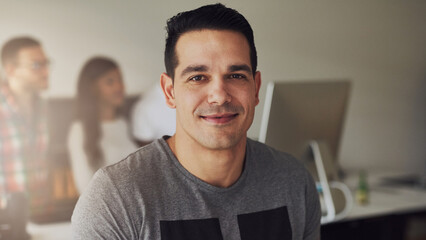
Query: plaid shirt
[(23, 147)]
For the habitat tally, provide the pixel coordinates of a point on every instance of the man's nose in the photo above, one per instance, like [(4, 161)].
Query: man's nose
[(218, 92)]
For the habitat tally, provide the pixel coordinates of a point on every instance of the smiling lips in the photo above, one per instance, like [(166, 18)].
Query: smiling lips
[(220, 118)]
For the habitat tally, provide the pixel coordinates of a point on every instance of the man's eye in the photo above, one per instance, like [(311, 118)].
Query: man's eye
[(237, 76), (197, 78)]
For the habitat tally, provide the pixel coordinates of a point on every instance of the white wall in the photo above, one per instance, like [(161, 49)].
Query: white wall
[(380, 45)]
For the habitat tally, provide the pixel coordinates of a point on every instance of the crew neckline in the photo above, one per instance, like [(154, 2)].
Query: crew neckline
[(188, 175)]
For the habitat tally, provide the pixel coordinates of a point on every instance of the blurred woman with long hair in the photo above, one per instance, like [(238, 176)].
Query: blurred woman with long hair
[(100, 136)]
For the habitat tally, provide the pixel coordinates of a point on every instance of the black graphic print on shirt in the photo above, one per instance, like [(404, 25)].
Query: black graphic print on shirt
[(208, 229), (266, 225)]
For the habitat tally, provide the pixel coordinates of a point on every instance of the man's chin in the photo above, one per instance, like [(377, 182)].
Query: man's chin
[(39, 90), (221, 142), (43, 86)]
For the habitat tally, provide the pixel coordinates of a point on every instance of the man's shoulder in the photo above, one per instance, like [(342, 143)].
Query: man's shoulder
[(273, 158), (145, 160), (259, 149)]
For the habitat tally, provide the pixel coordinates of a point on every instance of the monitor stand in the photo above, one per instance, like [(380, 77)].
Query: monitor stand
[(321, 159)]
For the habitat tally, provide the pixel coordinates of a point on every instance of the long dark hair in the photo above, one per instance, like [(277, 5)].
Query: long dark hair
[(88, 106)]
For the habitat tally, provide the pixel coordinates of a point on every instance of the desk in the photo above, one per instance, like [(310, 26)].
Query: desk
[(391, 206), (385, 199), (390, 214)]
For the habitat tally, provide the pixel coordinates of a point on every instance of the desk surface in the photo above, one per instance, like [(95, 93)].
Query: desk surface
[(390, 201), (383, 201)]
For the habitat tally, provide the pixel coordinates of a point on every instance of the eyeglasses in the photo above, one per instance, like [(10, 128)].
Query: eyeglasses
[(36, 65)]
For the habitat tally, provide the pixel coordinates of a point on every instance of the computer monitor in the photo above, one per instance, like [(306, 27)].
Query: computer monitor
[(297, 113), (306, 120)]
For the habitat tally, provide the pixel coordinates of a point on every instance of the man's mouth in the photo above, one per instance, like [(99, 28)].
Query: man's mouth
[(220, 118)]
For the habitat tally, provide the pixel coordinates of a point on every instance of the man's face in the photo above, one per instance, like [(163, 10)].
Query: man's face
[(214, 91), (30, 69)]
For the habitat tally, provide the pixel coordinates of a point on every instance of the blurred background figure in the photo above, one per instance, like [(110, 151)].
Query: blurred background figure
[(151, 118), (23, 130), (100, 136)]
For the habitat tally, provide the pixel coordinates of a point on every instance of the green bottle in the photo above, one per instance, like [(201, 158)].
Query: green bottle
[(362, 191)]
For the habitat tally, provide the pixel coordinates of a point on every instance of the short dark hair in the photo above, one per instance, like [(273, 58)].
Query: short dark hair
[(10, 49), (214, 17)]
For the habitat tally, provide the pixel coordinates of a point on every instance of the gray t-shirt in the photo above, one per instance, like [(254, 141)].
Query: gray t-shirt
[(150, 195)]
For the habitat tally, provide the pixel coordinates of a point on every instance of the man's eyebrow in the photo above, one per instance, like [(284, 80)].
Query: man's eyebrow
[(241, 67), (194, 68)]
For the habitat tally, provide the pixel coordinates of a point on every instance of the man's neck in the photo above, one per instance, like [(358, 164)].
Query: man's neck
[(220, 168)]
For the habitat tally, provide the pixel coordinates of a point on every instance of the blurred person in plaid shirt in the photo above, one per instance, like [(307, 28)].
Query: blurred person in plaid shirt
[(23, 130)]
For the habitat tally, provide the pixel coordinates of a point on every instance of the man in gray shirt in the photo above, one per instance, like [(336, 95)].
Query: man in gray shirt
[(208, 180)]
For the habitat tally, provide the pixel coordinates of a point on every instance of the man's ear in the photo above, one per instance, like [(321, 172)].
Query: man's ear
[(258, 83), (168, 90)]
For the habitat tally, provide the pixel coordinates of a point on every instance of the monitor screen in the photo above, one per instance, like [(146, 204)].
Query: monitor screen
[(297, 113)]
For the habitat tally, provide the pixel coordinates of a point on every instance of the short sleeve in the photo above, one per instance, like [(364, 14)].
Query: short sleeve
[(100, 212), (151, 117), (313, 211)]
